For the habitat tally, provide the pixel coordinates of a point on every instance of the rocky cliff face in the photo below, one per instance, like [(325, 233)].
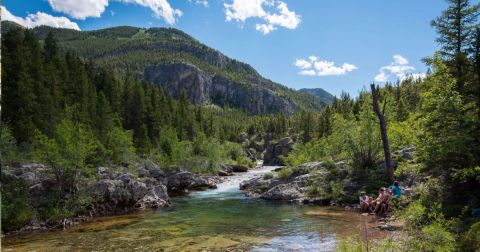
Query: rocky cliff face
[(203, 88)]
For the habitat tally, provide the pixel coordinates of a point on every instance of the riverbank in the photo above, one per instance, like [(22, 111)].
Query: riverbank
[(111, 191), (221, 219)]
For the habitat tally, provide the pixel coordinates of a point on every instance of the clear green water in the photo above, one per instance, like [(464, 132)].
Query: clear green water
[(217, 220)]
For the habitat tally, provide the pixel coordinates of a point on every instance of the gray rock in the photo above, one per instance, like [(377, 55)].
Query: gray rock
[(142, 172), (24, 168), (283, 192), (157, 173), (276, 149), (239, 168), (102, 170), (31, 178), (181, 181), (137, 189), (202, 88), (151, 166), (126, 177), (406, 153), (225, 170), (224, 173)]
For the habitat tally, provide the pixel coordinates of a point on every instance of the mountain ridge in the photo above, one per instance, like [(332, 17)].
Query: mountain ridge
[(207, 74), (320, 93)]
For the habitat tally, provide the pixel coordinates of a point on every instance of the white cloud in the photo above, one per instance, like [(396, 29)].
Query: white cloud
[(265, 28), (313, 66), (303, 64), (381, 77), (38, 19), (161, 9), (308, 72), (201, 2), (280, 16), (81, 9), (399, 68), (399, 59)]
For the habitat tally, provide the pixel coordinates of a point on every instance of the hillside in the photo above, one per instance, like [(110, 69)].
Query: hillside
[(320, 93), (177, 61)]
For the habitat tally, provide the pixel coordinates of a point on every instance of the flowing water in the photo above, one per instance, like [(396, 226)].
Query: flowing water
[(222, 219)]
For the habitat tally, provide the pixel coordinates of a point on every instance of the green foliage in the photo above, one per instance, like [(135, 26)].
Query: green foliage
[(444, 140), (8, 145), (353, 140), (403, 133), (268, 176), (119, 145), (67, 152), (285, 172), (470, 241), (16, 209)]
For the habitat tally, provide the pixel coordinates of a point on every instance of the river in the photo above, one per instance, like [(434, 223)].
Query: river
[(221, 219)]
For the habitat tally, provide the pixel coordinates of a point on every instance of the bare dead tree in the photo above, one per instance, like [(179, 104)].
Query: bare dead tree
[(383, 128)]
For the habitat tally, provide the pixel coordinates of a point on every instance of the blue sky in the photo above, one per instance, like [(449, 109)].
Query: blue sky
[(332, 44)]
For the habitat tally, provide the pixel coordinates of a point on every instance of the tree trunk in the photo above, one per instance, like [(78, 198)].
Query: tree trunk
[(383, 130)]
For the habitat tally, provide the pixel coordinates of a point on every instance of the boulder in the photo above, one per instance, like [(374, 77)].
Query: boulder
[(239, 168), (142, 172), (183, 181), (225, 170), (126, 193), (283, 192), (406, 153), (24, 168), (31, 178), (102, 170), (277, 149), (156, 197), (157, 173), (126, 177)]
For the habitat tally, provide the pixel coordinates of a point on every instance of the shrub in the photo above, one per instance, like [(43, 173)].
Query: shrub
[(470, 241), (267, 176), (16, 209), (285, 172)]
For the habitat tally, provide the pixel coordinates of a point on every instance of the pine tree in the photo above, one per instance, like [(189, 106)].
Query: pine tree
[(18, 96), (455, 28)]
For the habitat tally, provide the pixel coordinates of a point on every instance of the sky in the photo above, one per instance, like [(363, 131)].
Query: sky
[(337, 45)]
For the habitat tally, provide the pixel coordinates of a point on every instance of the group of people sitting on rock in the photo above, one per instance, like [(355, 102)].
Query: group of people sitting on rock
[(383, 203)]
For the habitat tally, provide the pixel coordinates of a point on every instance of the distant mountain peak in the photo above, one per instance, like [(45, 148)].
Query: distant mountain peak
[(319, 93)]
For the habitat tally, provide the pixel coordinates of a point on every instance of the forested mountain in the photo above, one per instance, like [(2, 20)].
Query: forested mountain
[(320, 93), (177, 61)]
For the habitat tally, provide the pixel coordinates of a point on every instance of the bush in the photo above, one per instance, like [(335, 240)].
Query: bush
[(8, 145), (285, 172), (267, 176), (16, 209), (470, 241)]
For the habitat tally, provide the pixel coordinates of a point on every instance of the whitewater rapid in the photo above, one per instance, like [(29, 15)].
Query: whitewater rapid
[(231, 186)]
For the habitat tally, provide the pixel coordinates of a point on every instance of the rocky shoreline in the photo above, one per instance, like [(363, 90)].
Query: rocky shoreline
[(293, 187), (114, 191)]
